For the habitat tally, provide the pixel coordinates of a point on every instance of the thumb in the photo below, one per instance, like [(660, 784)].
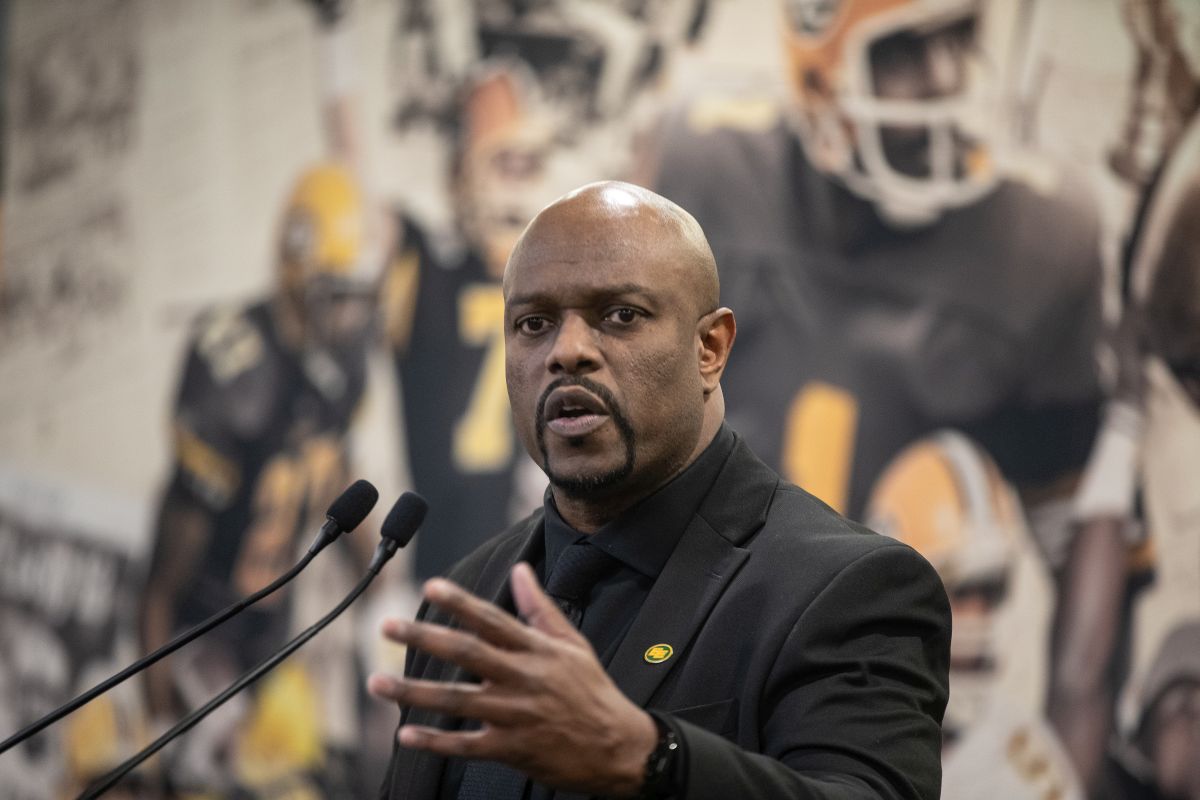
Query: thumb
[(536, 607)]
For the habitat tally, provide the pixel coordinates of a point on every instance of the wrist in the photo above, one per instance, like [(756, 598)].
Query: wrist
[(630, 765), (663, 773), (337, 59)]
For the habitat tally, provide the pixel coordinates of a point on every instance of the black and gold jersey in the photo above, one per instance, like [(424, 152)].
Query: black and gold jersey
[(856, 337), (260, 447), (463, 451)]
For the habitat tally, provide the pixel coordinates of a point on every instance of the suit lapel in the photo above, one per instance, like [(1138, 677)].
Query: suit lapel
[(703, 565), (693, 579), (493, 582), (424, 770), (493, 578)]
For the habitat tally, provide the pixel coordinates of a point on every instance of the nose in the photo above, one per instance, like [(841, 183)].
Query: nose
[(945, 62), (574, 350)]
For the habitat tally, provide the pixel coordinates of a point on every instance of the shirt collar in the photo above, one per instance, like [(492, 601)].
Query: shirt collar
[(644, 536)]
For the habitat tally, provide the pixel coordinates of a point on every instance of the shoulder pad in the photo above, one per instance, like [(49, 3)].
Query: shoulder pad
[(229, 343)]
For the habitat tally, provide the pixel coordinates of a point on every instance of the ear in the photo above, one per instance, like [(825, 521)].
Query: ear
[(715, 333)]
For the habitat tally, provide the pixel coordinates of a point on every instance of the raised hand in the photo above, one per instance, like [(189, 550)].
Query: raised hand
[(545, 704)]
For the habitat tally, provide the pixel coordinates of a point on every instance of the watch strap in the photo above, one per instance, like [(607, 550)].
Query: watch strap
[(664, 764)]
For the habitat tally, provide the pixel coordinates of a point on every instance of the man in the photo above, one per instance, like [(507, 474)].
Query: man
[(896, 269), (740, 641), (1134, 557), (459, 437), (267, 395), (1109, 627), (541, 100)]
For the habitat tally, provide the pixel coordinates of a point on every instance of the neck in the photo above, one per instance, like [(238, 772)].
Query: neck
[(289, 322), (585, 514)]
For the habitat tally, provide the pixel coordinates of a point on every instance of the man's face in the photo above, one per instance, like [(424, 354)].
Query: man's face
[(602, 352), (928, 68), (339, 310), (506, 178)]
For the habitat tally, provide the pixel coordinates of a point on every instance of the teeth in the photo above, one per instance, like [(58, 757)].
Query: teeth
[(571, 409)]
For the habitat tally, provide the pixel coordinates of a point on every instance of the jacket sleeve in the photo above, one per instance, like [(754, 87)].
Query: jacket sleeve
[(854, 703)]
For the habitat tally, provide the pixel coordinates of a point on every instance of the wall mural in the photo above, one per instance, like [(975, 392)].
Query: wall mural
[(252, 251)]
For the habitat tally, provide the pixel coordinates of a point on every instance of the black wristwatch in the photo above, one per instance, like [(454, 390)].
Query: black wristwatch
[(664, 764)]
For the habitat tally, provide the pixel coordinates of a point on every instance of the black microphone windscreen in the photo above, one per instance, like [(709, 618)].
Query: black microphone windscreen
[(353, 505), (404, 518)]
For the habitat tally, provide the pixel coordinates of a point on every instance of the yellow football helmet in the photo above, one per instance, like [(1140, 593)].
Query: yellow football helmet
[(900, 100), (324, 225), (328, 278), (945, 497)]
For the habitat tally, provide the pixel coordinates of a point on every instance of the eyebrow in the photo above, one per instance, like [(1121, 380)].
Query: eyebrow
[(599, 292)]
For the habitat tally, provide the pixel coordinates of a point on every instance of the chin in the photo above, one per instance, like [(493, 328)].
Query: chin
[(588, 483)]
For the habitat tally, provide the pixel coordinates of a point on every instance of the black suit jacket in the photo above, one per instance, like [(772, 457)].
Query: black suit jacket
[(810, 654)]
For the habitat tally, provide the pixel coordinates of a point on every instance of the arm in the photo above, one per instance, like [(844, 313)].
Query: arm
[(338, 79), (1091, 612), (1088, 620), (852, 710), (205, 476), (339, 87), (182, 532)]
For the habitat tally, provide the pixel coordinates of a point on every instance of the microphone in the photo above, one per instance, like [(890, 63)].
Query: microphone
[(344, 515), (398, 528)]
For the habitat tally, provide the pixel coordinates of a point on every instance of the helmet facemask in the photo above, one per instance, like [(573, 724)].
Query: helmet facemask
[(899, 102)]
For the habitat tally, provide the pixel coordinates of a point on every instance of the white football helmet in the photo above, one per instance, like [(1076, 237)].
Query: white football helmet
[(903, 101)]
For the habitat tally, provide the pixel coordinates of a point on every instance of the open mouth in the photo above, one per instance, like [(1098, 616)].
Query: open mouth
[(574, 412)]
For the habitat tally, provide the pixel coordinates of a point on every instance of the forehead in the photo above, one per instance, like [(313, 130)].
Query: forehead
[(575, 257)]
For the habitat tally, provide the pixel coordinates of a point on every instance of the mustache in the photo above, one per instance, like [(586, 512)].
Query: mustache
[(602, 392)]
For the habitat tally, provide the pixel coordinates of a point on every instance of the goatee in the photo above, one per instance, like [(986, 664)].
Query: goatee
[(586, 485)]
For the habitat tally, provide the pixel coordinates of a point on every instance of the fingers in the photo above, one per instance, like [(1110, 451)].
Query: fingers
[(464, 649), (467, 700), (486, 743), (536, 606), (491, 622), (464, 744)]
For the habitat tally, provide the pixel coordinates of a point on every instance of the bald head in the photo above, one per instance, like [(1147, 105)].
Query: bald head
[(621, 220)]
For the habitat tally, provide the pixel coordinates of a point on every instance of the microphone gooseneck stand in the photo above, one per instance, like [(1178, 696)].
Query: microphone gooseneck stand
[(406, 515)]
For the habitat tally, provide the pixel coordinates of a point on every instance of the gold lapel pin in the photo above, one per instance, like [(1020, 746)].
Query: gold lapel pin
[(658, 653)]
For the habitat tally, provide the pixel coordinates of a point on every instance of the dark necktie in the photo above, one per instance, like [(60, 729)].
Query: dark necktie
[(577, 570), (571, 581)]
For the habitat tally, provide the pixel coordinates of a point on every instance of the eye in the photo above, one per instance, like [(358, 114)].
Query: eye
[(532, 325), (623, 315)]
